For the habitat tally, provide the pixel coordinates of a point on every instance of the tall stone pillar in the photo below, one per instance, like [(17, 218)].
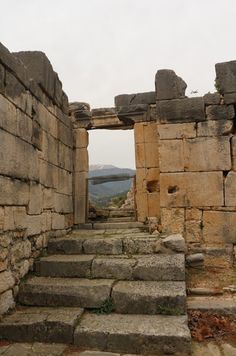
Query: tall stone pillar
[(147, 170)]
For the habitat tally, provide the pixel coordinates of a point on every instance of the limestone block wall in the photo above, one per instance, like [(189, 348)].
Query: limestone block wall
[(197, 155), (36, 164)]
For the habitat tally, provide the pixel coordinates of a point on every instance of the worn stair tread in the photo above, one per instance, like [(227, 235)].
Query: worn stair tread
[(225, 305), (138, 334), (149, 297), (80, 292), (28, 324)]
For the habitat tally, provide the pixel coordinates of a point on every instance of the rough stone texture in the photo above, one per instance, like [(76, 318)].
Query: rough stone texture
[(108, 246), (171, 156), (185, 189), (65, 266), (220, 305), (160, 268), (141, 245), (214, 128), (219, 227), (68, 245), (181, 110), (6, 281), (226, 76), (220, 112), (230, 189), (233, 148), (207, 154), (152, 334), (133, 99), (172, 220), (212, 99), (176, 131), (45, 325), (169, 85), (230, 98), (6, 301), (83, 293), (149, 297), (175, 243), (115, 268)]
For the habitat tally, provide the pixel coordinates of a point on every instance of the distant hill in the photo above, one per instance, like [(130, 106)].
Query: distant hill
[(105, 191)]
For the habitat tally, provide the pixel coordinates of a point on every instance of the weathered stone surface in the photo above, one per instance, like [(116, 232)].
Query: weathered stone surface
[(175, 243), (214, 128), (185, 189), (226, 77), (34, 224), (67, 245), (195, 260), (20, 250), (8, 115), (104, 246), (230, 189), (142, 246), (81, 160), (142, 205), (36, 199), (193, 231), (6, 281), (110, 267), (219, 305), (83, 293), (175, 131), (171, 156), (160, 268), (233, 148), (230, 98), (134, 333), (65, 266), (15, 90), (220, 112), (45, 325), (6, 302), (212, 99), (207, 154), (172, 220), (149, 297), (169, 85), (181, 110), (58, 221), (133, 99), (81, 138), (219, 227)]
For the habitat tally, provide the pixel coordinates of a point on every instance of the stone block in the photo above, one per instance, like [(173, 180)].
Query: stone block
[(141, 175), (49, 148), (80, 183), (220, 112), (81, 160), (13, 192), (2, 79), (193, 214), (140, 155), (226, 77), (181, 110), (171, 155), (81, 138), (64, 182), (45, 119), (207, 154), (1, 218), (233, 149), (20, 250), (230, 98), (9, 223), (15, 91), (65, 134), (117, 268), (169, 85), (142, 206), (153, 204), (212, 99), (48, 198), (63, 203), (36, 199), (6, 281), (175, 243), (80, 209), (34, 225), (20, 217), (172, 220), (6, 302), (24, 126), (186, 189), (151, 155), (219, 227), (193, 231), (8, 115), (139, 132), (48, 174), (58, 221), (65, 157), (150, 132), (230, 189), (133, 99), (176, 131), (214, 128), (37, 135)]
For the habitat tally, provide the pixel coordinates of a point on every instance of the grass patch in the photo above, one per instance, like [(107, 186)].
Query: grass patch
[(107, 307)]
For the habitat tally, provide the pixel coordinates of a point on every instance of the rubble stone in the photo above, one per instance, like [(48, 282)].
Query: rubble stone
[(169, 85)]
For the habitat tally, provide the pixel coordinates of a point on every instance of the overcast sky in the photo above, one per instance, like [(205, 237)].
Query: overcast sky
[(102, 48)]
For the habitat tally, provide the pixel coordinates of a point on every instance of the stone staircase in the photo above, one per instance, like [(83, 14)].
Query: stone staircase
[(119, 290)]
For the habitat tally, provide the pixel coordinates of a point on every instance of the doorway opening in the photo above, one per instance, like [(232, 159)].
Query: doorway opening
[(111, 178)]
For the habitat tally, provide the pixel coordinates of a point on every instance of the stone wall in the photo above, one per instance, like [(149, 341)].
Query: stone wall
[(36, 148)]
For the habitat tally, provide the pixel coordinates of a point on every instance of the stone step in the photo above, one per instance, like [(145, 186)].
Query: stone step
[(149, 297), (159, 267), (41, 324), (105, 244), (114, 225), (66, 292), (134, 334), (115, 219), (142, 297)]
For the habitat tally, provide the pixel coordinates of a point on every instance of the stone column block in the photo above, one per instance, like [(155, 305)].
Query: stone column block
[(171, 155)]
